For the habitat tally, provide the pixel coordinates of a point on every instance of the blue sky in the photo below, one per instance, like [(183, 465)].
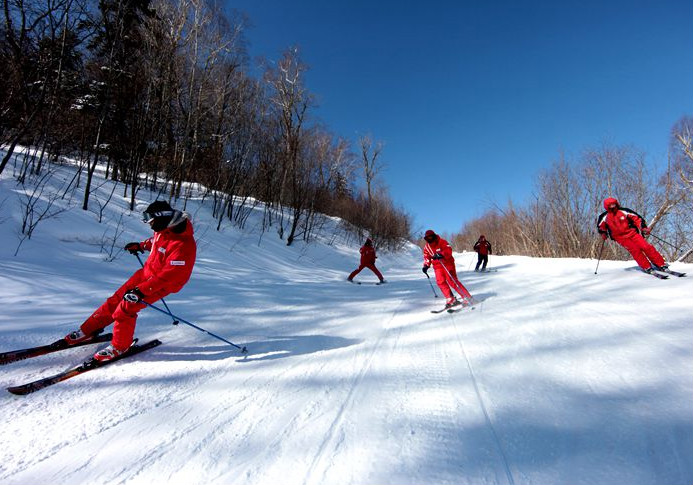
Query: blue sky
[(473, 99)]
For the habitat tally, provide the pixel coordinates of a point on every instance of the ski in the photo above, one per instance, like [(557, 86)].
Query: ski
[(657, 275), (90, 364), (15, 355), (452, 309), (456, 309), (440, 311), (671, 272)]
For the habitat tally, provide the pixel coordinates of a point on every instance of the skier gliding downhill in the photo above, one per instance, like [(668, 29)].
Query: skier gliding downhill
[(437, 252), (166, 270), (627, 228)]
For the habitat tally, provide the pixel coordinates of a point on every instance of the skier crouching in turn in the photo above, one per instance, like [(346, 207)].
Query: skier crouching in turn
[(166, 270), (437, 252), (368, 258), (627, 228)]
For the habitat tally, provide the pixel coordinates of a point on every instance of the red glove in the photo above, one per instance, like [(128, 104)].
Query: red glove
[(604, 236), (646, 231)]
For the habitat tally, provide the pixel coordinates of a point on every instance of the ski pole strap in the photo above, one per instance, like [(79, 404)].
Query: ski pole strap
[(242, 349)]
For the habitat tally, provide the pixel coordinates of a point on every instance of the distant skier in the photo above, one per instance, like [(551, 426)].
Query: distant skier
[(627, 228), (368, 258), (483, 249), (437, 252), (166, 270)]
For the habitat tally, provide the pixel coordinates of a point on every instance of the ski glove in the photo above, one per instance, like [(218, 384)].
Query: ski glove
[(425, 270), (604, 236), (437, 256), (646, 231), (134, 248), (133, 296)]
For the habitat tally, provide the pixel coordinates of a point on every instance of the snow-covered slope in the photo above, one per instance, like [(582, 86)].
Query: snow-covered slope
[(559, 376)]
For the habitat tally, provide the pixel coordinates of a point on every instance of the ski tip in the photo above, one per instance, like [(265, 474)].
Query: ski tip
[(21, 390)]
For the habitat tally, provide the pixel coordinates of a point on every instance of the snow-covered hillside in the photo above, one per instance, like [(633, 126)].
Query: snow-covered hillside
[(559, 376)]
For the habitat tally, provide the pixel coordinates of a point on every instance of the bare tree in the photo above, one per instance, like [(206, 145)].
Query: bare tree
[(37, 199), (291, 100), (370, 152)]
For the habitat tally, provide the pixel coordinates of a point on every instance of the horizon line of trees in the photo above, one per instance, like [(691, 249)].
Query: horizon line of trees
[(160, 92), (560, 219)]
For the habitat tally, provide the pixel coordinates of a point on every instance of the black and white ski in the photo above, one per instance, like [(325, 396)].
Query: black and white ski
[(90, 364), (367, 283), (15, 355), (454, 308), (441, 310), (671, 272), (661, 276)]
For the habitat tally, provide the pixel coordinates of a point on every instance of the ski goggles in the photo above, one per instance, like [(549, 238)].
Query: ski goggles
[(150, 216)]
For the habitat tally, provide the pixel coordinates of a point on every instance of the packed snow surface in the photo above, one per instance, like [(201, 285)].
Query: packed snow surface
[(558, 376)]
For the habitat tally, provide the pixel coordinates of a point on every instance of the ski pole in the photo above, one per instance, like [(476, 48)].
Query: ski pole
[(242, 349), (175, 322), (600, 256), (665, 242), (456, 286), (429, 282)]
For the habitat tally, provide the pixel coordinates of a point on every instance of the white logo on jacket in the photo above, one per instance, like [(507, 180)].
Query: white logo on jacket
[(162, 250), (177, 263)]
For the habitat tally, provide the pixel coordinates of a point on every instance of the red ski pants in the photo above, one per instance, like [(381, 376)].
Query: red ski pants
[(447, 281), (369, 266), (643, 252), (122, 312)]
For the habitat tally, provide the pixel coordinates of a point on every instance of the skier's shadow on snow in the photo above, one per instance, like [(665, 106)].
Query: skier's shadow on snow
[(482, 297), (490, 269), (289, 346)]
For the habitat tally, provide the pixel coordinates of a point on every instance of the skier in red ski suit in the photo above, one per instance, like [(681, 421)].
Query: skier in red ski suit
[(166, 270), (483, 249), (627, 228), (368, 258), (437, 252)]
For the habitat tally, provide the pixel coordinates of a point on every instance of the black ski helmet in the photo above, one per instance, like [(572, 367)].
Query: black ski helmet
[(159, 213)]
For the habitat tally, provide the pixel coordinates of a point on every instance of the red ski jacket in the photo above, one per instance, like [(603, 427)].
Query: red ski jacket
[(439, 246), (483, 247), (623, 224), (368, 255), (171, 261)]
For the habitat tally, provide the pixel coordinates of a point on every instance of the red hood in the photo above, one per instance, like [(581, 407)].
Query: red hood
[(610, 200)]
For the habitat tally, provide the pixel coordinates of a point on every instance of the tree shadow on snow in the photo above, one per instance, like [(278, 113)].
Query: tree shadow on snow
[(289, 346), (269, 349)]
